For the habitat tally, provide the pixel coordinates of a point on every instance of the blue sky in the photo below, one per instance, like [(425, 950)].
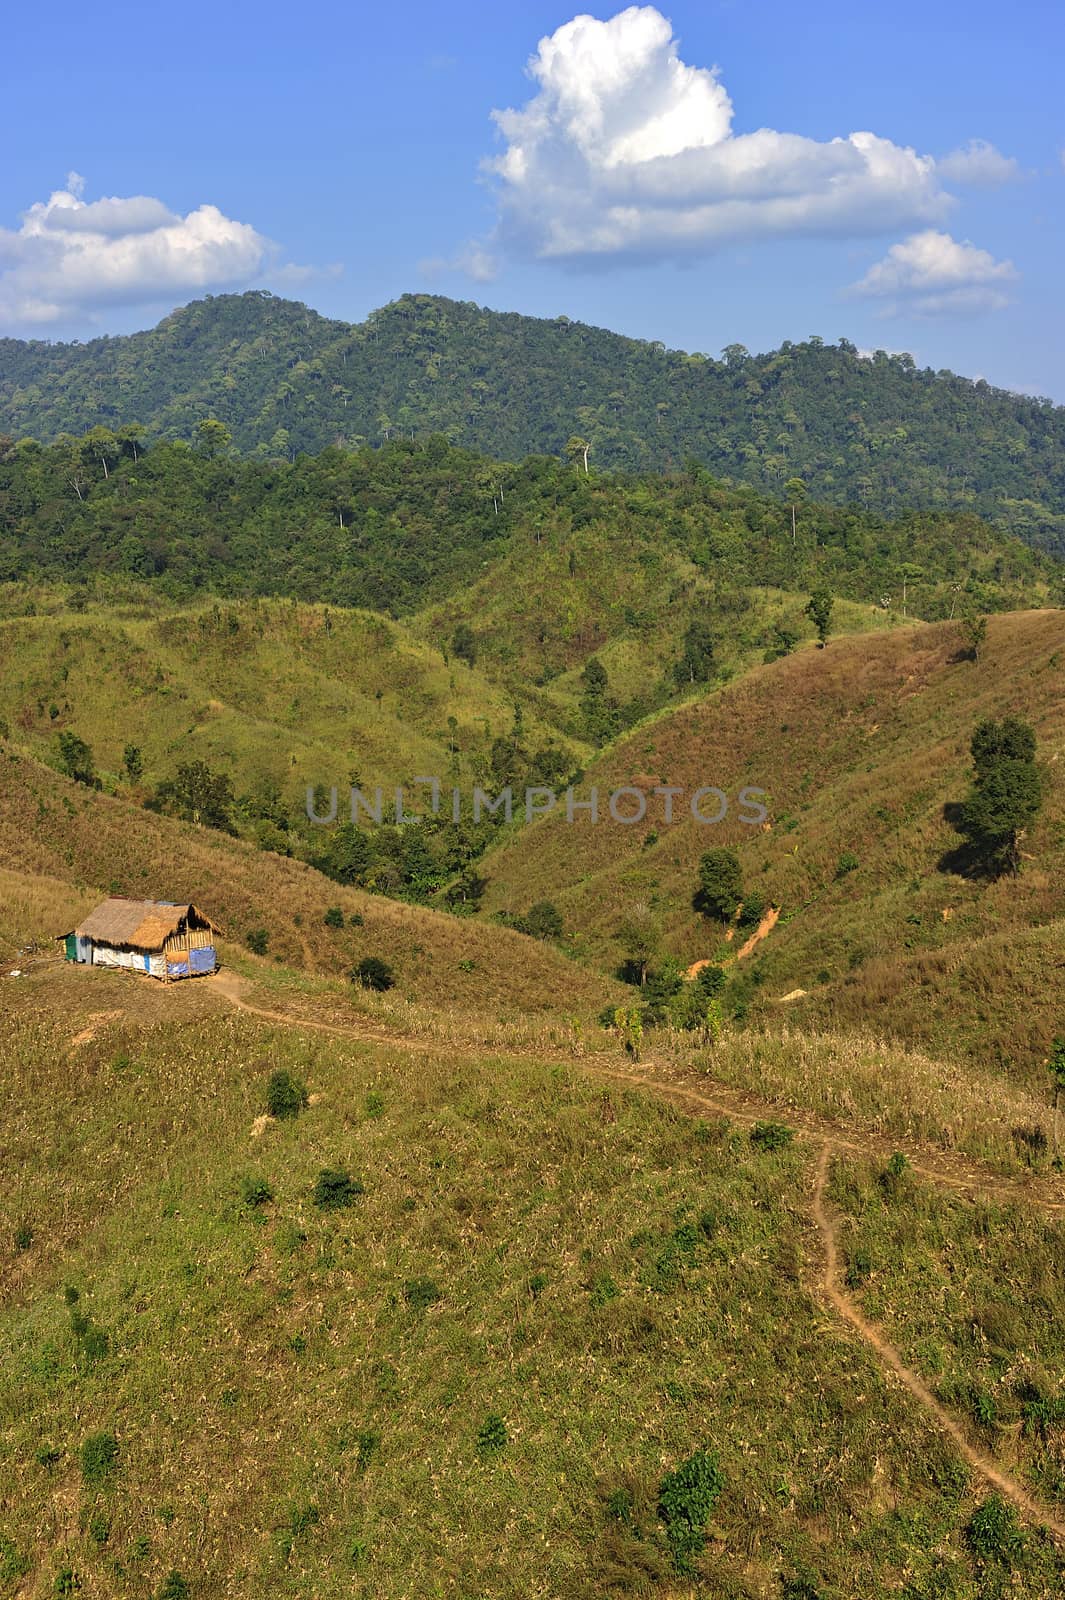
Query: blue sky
[(336, 154)]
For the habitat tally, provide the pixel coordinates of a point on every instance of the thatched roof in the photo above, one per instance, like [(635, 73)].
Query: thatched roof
[(142, 924)]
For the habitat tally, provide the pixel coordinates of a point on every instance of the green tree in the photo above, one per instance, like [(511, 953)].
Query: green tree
[(1006, 793), (213, 438), (720, 887), (1056, 1063), (696, 664), (75, 758), (578, 449), (464, 644), (819, 610), (133, 762), (974, 632), (197, 794), (640, 938)]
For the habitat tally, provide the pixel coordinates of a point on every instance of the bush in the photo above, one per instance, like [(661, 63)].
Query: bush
[(420, 1293), (543, 921), (173, 1587), (848, 862), (373, 973), (492, 1434), (255, 1191), (771, 1135), (22, 1237), (720, 888), (286, 1096), (992, 1531), (336, 1189), (686, 1498), (334, 917), (367, 1444), (13, 1564), (374, 1103), (753, 909), (258, 941), (99, 1457)]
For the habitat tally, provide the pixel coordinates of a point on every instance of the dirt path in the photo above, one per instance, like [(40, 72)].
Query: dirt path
[(769, 921), (830, 1288)]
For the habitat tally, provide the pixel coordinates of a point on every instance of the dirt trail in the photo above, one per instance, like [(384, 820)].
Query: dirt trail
[(770, 918), (830, 1288)]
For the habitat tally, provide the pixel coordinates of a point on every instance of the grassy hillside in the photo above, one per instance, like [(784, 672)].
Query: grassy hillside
[(97, 844), (547, 1296), (284, 379), (272, 693), (860, 747)]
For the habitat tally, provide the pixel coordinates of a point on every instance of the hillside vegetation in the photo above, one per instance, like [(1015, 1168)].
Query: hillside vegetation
[(284, 379), (564, 1339), (860, 748)]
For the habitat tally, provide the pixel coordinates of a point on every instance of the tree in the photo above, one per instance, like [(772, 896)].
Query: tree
[(1006, 793), (75, 759), (544, 920), (578, 449), (133, 762), (819, 610), (795, 490), (696, 664), (197, 794), (720, 887), (974, 632), (373, 973), (464, 644), (213, 438), (640, 937)]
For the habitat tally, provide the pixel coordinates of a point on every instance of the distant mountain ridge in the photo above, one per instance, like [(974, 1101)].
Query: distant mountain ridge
[(284, 379)]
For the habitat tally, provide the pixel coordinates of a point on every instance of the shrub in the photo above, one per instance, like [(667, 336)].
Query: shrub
[(753, 909), (543, 921), (286, 1096), (356, 919), (367, 1444), (99, 1528), (334, 917), (374, 1103), (255, 1191), (22, 1237), (99, 1457), (992, 1530), (859, 1267), (257, 940), (686, 1498), (848, 862), (420, 1293), (492, 1434), (771, 1135), (13, 1564), (537, 1285), (373, 973), (336, 1189), (67, 1581), (173, 1587), (603, 1289), (720, 887)]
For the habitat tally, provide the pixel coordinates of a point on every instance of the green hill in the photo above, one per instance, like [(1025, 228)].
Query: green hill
[(284, 379), (860, 748)]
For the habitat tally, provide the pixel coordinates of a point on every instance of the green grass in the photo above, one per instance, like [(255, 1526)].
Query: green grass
[(291, 1420)]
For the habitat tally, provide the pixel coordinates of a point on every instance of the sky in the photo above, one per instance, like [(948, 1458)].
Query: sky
[(703, 173)]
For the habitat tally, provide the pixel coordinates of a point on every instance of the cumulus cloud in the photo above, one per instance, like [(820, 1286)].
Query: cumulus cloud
[(979, 163), (625, 150), (71, 257), (931, 273)]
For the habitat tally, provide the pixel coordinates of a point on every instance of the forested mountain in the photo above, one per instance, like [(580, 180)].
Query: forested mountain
[(284, 380), (410, 523)]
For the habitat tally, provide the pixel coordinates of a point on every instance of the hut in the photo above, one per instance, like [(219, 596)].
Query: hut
[(159, 937)]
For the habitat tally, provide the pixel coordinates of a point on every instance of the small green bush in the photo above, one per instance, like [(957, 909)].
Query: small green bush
[(173, 1587), (286, 1096), (492, 1434), (420, 1293), (373, 973), (99, 1528), (374, 1103), (334, 917), (848, 862), (537, 1285), (859, 1268), (13, 1564), (255, 1191), (67, 1581), (257, 940), (99, 1457), (356, 919), (992, 1531), (771, 1135), (336, 1189), (603, 1289), (22, 1237), (686, 1498), (367, 1444)]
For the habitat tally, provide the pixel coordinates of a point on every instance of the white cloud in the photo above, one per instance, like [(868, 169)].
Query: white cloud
[(475, 259), (71, 258), (979, 163), (932, 273), (625, 150)]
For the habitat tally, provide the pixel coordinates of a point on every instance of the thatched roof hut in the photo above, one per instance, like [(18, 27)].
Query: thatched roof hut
[(161, 937)]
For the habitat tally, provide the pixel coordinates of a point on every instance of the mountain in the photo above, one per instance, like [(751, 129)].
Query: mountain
[(284, 380)]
